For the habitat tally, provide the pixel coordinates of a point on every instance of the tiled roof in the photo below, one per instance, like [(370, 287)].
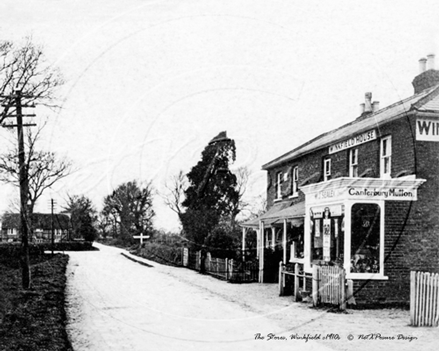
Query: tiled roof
[(427, 100), (430, 105), (279, 211), (39, 221)]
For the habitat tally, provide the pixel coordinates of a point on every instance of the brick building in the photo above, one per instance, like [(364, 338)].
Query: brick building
[(363, 196)]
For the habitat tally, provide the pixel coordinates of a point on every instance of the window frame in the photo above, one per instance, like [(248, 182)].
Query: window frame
[(385, 157), (279, 180), (353, 167), (294, 181), (327, 171)]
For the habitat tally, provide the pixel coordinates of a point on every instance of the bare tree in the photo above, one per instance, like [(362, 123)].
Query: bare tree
[(43, 169), (25, 68), (176, 186), (25, 79)]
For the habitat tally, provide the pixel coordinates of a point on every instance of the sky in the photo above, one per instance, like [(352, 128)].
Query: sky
[(150, 83)]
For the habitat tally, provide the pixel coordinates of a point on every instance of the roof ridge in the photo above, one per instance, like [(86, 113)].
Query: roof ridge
[(422, 95)]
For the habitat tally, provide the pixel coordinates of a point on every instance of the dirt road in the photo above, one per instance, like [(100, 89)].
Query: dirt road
[(117, 304)]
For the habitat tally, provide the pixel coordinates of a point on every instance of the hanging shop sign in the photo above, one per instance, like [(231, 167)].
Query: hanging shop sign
[(326, 238), (352, 142), (427, 129)]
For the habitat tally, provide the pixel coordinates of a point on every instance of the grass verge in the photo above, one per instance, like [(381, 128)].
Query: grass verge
[(33, 319)]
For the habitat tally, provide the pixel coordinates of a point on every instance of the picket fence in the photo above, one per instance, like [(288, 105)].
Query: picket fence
[(424, 299), (227, 269)]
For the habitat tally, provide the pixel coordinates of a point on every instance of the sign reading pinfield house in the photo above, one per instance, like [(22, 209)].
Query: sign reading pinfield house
[(356, 140)]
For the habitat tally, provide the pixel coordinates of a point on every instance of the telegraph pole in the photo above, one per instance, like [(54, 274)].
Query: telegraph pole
[(24, 184), (51, 221)]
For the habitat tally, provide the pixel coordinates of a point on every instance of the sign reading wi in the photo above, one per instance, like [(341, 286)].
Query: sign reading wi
[(354, 141), (427, 129)]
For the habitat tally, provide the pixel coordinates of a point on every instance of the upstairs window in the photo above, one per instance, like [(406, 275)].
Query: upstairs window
[(327, 169), (353, 163), (278, 185), (294, 180), (385, 157)]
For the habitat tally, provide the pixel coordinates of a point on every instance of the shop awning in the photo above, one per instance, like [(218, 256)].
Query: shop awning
[(278, 213)]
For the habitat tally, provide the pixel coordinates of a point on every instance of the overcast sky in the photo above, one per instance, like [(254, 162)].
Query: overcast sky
[(150, 83)]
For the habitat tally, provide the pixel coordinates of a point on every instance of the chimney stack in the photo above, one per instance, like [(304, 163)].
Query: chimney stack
[(362, 108), (422, 64), (428, 76)]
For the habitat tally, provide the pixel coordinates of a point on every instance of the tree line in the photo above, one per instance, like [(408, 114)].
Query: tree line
[(207, 199)]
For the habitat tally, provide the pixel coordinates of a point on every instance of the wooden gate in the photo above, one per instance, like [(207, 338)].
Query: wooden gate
[(329, 286)]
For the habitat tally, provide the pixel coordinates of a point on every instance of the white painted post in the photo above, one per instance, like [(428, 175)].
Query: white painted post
[(273, 237), (343, 302), (261, 256), (243, 244), (412, 298), (285, 241), (280, 278), (296, 287), (141, 237), (315, 285)]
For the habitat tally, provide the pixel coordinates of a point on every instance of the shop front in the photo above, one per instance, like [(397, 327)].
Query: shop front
[(345, 223)]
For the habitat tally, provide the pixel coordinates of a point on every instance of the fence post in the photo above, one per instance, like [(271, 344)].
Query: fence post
[(296, 287), (412, 298), (315, 285), (280, 279), (343, 302), (227, 268)]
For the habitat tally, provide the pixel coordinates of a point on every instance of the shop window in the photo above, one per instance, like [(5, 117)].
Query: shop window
[(278, 185), (295, 242), (385, 157), (327, 230), (327, 169), (365, 238), (294, 181), (353, 163)]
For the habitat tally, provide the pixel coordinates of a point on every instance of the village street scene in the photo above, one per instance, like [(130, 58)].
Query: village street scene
[(246, 175)]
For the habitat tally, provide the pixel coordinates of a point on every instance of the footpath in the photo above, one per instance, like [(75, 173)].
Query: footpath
[(380, 329)]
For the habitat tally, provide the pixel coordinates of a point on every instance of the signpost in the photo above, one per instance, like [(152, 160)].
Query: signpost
[(141, 237)]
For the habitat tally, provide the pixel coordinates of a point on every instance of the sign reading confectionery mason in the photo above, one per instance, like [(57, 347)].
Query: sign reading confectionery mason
[(354, 141)]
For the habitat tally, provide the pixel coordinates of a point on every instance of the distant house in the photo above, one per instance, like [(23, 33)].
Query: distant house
[(42, 224), (364, 196)]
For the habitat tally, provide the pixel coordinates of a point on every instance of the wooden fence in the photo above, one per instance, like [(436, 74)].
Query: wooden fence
[(217, 267), (424, 299), (227, 269), (299, 277)]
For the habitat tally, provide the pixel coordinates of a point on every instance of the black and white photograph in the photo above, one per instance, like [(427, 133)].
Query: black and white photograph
[(219, 175)]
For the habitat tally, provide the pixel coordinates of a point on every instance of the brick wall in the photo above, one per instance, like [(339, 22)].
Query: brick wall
[(411, 228)]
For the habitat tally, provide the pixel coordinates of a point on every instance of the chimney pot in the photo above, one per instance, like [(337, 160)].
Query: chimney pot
[(375, 106), (422, 65), (368, 106), (431, 64)]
